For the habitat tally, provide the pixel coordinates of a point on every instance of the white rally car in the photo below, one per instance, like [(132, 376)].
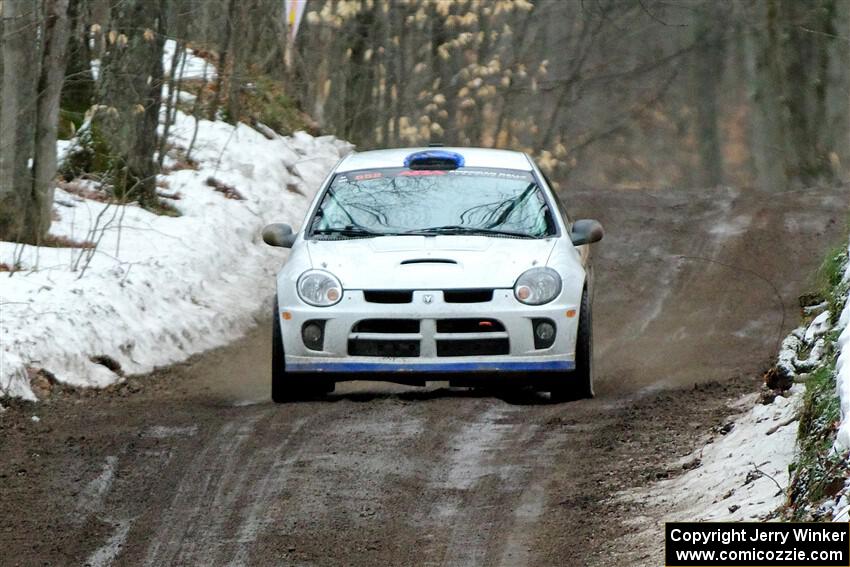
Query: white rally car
[(456, 264)]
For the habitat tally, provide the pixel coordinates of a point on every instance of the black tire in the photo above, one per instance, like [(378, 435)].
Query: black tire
[(288, 387), (578, 384)]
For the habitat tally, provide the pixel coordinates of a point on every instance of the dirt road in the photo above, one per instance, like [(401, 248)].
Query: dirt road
[(194, 466)]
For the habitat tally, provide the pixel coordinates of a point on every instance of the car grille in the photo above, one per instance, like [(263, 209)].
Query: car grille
[(468, 295), (449, 296), (387, 326), (471, 337), (388, 296), (385, 348), (401, 338), (385, 337), (472, 347), (469, 325)]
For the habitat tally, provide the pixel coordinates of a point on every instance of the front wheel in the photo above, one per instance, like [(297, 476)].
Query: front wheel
[(578, 384), (288, 387)]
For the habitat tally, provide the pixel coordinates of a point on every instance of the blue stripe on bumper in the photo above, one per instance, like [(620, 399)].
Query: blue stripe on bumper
[(433, 367)]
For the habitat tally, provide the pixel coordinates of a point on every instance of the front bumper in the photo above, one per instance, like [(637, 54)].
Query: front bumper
[(345, 367), (429, 307)]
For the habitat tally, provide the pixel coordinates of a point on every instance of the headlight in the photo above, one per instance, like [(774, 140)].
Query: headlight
[(538, 286), (319, 288)]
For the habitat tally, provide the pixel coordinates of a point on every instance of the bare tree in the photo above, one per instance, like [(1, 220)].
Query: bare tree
[(78, 87), (224, 50), (707, 65), (33, 50), (609, 91), (129, 95), (54, 49), (20, 55), (791, 46)]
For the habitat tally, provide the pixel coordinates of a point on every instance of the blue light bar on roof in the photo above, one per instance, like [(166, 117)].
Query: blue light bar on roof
[(434, 159)]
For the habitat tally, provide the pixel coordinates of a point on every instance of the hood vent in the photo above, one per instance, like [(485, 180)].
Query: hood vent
[(428, 261)]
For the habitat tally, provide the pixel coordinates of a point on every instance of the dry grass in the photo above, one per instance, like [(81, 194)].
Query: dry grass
[(56, 241), (162, 208), (229, 191), (75, 188), (180, 164), (42, 381)]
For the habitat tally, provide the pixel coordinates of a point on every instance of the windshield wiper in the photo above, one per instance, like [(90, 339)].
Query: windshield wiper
[(458, 229), (352, 231)]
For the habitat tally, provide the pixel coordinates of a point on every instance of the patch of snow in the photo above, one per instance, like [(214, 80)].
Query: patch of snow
[(62, 149), (788, 351), (814, 359), (166, 432), (819, 326), (743, 475), (734, 227), (815, 309), (842, 373), (91, 498), (158, 289), (183, 96), (105, 555), (193, 67), (788, 359), (841, 508), (35, 418)]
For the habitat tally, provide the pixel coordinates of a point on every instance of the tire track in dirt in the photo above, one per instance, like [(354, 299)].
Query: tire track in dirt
[(186, 533)]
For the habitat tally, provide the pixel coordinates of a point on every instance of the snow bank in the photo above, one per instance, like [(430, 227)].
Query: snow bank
[(743, 474), (841, 509), (158, 289), (842, 368)]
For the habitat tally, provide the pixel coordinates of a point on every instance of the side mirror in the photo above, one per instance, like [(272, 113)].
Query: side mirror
[(279, 234), (586, 231)]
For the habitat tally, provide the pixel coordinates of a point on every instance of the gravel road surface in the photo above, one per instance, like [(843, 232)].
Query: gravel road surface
[(193, 465)]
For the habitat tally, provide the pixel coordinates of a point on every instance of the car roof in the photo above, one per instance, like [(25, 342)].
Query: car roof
[(473, 157)]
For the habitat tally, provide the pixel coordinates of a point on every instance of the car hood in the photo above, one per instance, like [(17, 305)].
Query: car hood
[(428, 262)]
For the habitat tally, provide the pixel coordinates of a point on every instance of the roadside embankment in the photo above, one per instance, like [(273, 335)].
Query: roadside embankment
[(122, 290)]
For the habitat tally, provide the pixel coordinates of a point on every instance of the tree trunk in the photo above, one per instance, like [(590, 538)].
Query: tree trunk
[(78, 90), (174, 75), (238, 68), (54, 49), (790, 59), (766, 136), (838, 90), (359, 81), (707, 70), (129, 93), (222, 60), (19, 50), (445, 70)]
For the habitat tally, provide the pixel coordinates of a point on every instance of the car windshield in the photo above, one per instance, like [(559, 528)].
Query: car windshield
[(479, 201)]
